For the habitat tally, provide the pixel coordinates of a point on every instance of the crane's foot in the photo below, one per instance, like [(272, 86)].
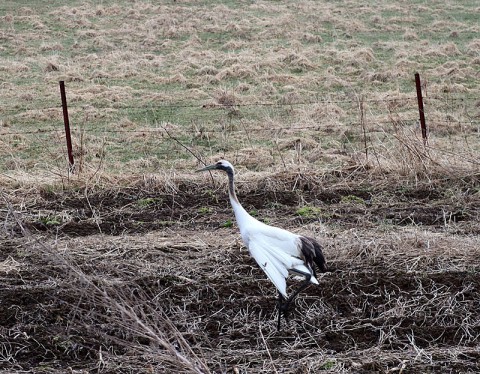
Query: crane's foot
[(283, 304), (283, 308)]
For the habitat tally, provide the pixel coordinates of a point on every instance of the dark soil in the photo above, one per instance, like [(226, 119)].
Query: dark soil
[(50, 320)]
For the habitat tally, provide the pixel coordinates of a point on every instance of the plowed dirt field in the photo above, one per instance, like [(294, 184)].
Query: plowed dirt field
[(136, 280)]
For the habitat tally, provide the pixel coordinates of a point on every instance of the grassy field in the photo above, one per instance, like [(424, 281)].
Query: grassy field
[(133, 263), (230, 78)]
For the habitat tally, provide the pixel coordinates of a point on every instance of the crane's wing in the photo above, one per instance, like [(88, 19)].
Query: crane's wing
[(274, 261), (274, 269)]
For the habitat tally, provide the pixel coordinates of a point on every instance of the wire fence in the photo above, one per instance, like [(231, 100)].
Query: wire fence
[(449, 106), (116, 133)]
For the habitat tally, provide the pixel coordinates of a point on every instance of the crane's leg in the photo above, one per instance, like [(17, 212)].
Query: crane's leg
[(300, 288), (282, 309), (284, 304)]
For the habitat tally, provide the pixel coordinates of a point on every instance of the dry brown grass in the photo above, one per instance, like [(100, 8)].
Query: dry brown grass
[(121, 59), (150, 281), (130, 265)]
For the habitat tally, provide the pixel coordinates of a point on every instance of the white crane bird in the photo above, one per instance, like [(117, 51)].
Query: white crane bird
[(277, 251)]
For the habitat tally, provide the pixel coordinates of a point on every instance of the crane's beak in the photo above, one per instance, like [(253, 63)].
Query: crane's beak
[(210, 167)]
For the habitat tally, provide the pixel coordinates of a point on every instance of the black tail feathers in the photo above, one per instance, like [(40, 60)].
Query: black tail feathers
[(312, 250), (319, 258)]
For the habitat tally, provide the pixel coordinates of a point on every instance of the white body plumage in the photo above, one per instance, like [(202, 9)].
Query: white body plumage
[(277, 251)]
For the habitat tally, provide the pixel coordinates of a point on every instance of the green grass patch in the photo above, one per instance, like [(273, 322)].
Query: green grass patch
[(227, 224), (149, 201), (352, 199), (308, 212)]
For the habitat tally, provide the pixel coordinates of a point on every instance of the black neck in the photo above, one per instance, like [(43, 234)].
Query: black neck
[(231, 185)]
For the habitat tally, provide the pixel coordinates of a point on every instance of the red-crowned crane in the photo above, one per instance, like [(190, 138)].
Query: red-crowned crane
[(277, 251)]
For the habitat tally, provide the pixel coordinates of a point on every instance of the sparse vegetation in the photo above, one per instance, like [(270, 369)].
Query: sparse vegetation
[(204, 210), (133, 264), (352, 199), (227, 223), (50, 220), (148, 201), (308, 212)]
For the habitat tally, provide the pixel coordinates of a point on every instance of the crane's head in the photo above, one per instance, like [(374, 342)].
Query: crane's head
[(220, 165)]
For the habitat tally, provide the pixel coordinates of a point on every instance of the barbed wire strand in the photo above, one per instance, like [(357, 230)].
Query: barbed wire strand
[(254, 129), (207, 105)]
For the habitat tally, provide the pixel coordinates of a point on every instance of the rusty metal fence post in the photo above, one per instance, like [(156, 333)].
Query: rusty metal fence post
[(67, 126), (420, 108)]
